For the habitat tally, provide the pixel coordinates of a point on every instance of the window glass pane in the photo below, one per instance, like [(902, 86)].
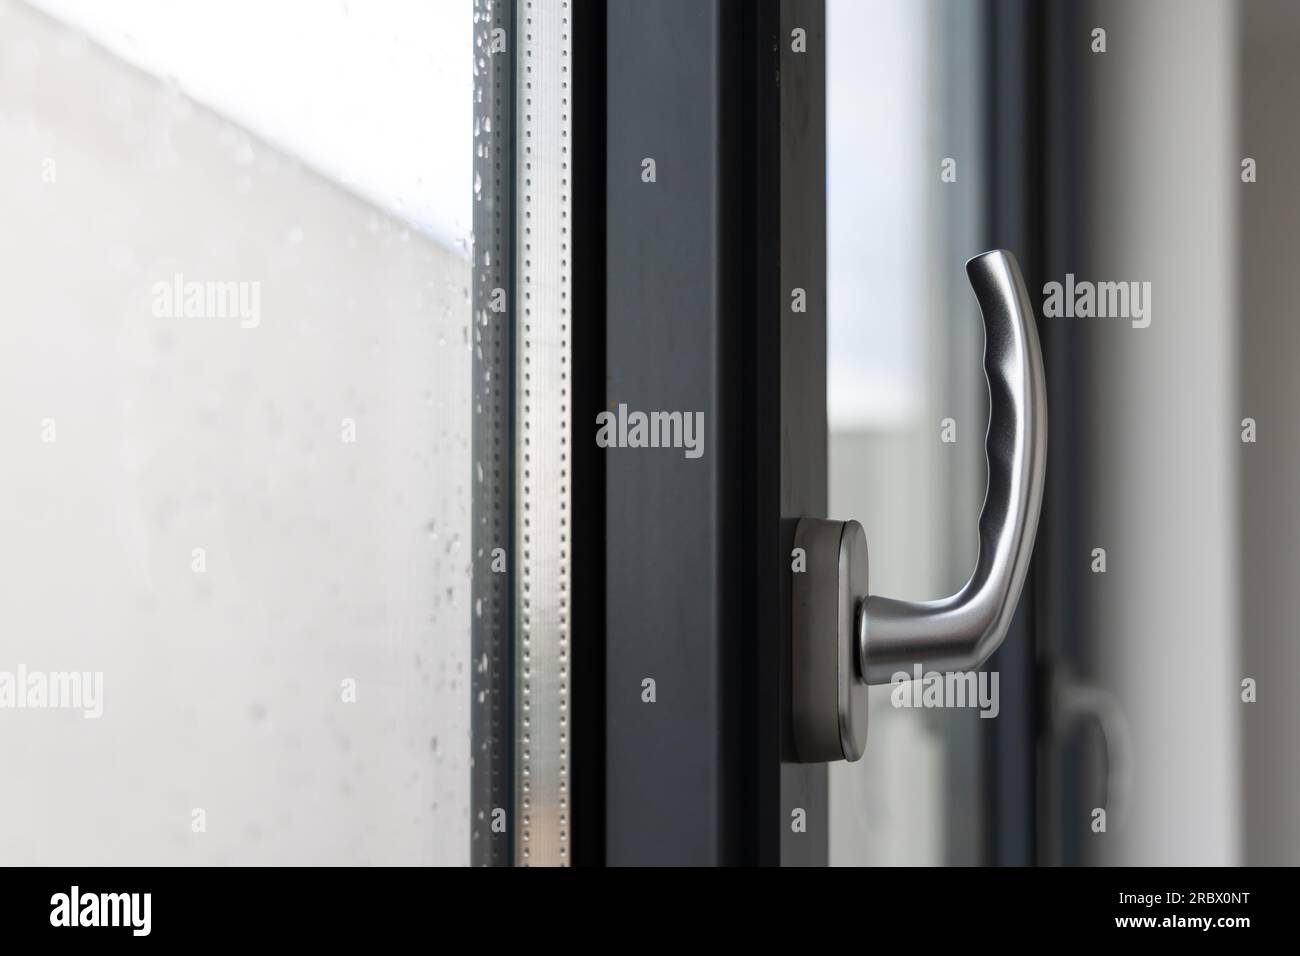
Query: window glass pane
[(904, 354), (234, 377)]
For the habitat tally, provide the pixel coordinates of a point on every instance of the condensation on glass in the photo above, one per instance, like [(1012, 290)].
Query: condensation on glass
[(235, 389), (492, 789)]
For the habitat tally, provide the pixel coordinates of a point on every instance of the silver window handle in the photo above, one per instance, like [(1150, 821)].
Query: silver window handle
[(961, 631), (874, 637)]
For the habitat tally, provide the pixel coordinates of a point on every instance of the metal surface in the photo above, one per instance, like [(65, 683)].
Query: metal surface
[(491, 682), (830, 697), (697, 594), (698, 268), (543, 414), (801, 234), (672, 563), (1062, 162), (843, 639), (1009, 108), (960, 631)]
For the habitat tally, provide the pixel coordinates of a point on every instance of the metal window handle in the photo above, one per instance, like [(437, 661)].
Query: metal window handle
[(847, 639)]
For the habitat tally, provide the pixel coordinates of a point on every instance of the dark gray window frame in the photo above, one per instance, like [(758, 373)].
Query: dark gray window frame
[(699, 264)]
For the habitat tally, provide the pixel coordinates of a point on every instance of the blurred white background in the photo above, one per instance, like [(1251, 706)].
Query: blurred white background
[(323, 152)]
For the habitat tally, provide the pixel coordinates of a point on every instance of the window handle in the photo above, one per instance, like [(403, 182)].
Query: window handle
[(846, 638)]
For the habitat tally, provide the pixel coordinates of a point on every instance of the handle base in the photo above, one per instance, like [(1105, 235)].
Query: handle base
[(828, 694)]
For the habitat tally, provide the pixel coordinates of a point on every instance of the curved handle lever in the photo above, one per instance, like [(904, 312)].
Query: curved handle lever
[(959, 632), (843, 637)]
